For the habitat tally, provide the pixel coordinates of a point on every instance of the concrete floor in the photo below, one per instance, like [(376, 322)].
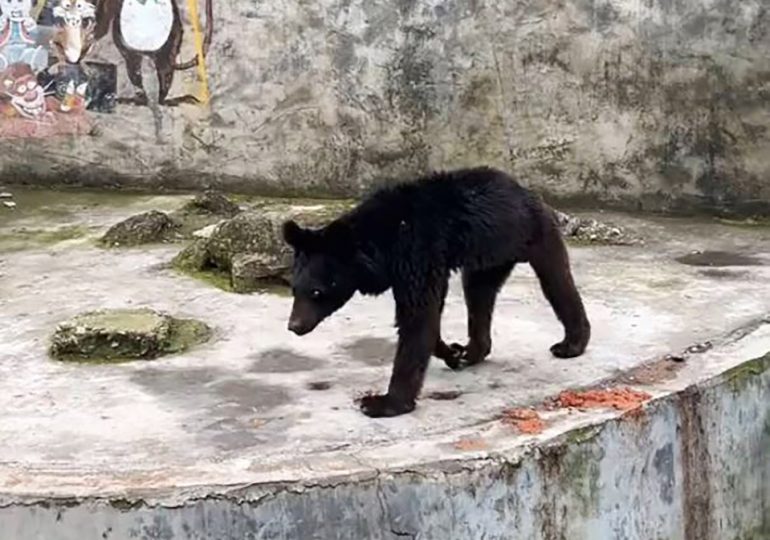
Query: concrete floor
[(242, 408)]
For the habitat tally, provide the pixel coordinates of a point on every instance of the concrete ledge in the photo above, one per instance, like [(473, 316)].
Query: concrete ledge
[(694, 463)]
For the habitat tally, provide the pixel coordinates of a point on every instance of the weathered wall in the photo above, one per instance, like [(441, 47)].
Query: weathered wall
[(694, 466), (650, 102)]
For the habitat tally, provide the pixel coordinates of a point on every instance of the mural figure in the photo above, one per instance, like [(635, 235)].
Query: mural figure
[(18, 32), (151, 28), (47, 84), (75, 24), (25, 97)]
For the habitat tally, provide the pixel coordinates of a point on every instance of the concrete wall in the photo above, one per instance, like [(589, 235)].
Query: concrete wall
[(694, 466), (653, 103)]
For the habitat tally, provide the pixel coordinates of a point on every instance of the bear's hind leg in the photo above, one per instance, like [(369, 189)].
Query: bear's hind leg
[(450, 354), (550, 261), (480, 288)]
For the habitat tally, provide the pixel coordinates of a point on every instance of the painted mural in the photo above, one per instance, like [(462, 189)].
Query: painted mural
[(50, 85)]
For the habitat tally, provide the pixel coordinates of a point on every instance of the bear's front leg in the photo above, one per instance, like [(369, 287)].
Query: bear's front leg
[(417, 335)]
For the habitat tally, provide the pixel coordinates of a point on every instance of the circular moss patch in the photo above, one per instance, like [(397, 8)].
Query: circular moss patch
[(125, 334)]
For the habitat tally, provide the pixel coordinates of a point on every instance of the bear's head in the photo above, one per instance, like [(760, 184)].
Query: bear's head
[(324, 273)]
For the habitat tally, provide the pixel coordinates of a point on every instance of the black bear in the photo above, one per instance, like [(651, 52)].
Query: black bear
[(409, 237)]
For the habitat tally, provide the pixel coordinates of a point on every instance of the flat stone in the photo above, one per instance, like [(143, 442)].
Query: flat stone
[(123, 334)]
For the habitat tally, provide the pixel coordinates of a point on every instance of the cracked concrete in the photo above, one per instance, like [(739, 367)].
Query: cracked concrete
[(229, 440)]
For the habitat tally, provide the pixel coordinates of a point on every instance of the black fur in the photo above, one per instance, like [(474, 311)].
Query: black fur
[(409, 238)]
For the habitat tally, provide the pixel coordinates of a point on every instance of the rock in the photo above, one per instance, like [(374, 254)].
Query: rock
[(260, 232), (207, 231), (5, 195), (149, 227), (249, 248), (250, 271), (567, 223), (212, 202), (195, 257), (9, 204), (591, 231), (245, 233), (124, 334)]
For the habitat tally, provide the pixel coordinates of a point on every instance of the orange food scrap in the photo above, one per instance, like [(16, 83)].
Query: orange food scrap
[(525, 420), (470, 444), (623, 399)]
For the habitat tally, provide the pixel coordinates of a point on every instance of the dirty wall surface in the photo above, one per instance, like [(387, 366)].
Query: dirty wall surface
[(654, 103)]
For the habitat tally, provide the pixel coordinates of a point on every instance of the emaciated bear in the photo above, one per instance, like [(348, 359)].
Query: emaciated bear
[(410, 237)]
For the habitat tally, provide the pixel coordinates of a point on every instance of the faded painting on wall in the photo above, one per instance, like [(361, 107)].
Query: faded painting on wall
[(49, 83)]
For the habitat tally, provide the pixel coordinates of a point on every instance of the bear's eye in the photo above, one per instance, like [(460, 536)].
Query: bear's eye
[(315, 294)]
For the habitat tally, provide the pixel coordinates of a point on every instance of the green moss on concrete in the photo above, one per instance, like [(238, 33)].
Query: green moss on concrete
[(583, 434), (580, 476), (761, 532), (277, 289), (110, 336), (212, 277), (750, 223), (739, 376), (572, 465), (184, 334), (19, 239)]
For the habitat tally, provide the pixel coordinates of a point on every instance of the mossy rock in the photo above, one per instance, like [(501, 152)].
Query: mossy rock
[(203, 212), (260, 232), (194, 257), (245, 233), (252, 271), (212, 203), (148, 228), (124, 334), (250, 249)]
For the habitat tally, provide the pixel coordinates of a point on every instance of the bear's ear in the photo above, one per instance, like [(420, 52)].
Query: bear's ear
[(338, 239), (294, 235)]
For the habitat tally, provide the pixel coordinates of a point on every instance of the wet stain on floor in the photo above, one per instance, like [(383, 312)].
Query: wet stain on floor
[(284, 361), (319, 385), (371, 351), (717, 273), (225, 405), (238, 397), (444, 395), (719, 259)]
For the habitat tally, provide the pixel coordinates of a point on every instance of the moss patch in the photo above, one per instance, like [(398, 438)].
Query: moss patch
[(213, 277), (110, 336), (184, 334), (740, 375), (21, 238), (752, 223)]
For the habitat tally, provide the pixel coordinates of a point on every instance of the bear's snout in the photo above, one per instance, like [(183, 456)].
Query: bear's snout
[(298, 327)]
